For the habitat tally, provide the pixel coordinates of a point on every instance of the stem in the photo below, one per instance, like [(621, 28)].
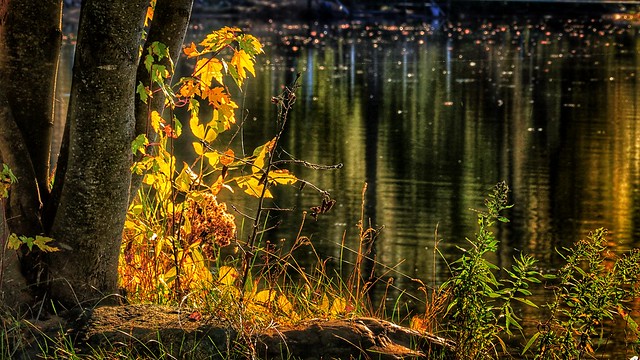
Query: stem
[(285, 102)]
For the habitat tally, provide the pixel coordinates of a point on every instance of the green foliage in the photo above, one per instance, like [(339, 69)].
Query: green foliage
[(594, 288), (15, 241), (40, 242), (481, 306), (6, 180)]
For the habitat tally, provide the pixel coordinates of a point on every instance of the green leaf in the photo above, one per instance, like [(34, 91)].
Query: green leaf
[(148, 61), (526, 301), (141, 90), (531, 341), (139, 144)]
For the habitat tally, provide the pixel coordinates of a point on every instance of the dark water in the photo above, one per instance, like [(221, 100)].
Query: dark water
[(431, 116)]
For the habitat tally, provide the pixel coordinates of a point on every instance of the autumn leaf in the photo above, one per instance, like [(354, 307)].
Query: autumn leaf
[(218, 39), (41, 243), (150, 11), (252, 186), (228, 157), (156, 121), (188, 89), (250, 44), (241, 61), (227, 275), (196, 128), (261, 153), (283, 177), (14, 242), (191, 51), (208, 69)]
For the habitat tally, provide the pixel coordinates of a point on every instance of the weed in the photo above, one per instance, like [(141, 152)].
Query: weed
[(480, 306), (593, 288)]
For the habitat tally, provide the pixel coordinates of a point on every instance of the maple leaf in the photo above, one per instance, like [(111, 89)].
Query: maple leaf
[(209, 69), (191, 51), (188, 89), (250, 44), (220, 38), (241, 60)]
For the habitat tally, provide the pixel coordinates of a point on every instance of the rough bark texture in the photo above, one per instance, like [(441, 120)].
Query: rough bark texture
[(31, 45), (145, 329), (95, 187), (30, 38)]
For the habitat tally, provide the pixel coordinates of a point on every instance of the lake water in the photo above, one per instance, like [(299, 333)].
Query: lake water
[(431, 116)]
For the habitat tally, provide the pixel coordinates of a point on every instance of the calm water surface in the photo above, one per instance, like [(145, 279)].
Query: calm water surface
[(431, 116)]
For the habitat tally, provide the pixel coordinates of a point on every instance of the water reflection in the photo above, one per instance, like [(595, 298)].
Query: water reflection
[(431, 117)]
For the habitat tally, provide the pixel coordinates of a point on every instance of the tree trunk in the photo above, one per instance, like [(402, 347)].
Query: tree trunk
[(30, 35), (31, 45), (95, 187)]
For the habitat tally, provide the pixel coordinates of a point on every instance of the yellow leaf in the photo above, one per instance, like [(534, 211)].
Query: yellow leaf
[(199, 149), (227, 275), (283, 177), (261, 154), (14, 242), (41, 243), (324, 304), (208, 69), (183, 181), (338, 306), (265, 296), (285, 306), (213, 158), (252, 186), (196, 128), (241, 61), (156, 121)]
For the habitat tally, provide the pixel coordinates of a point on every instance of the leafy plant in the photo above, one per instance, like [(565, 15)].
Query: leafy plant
[(593, 288), (480, 309), (175, 224)]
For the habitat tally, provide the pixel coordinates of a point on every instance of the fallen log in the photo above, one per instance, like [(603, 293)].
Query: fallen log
[(150, 329)]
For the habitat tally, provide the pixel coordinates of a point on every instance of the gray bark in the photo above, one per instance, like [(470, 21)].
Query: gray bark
[(95, 187)]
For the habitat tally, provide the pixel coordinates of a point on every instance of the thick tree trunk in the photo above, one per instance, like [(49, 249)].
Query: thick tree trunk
[(32, 48), (30, 35), (95, 187)]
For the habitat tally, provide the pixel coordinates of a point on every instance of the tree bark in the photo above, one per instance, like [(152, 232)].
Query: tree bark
[(31, 47), (95, 187), (30, 35)]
